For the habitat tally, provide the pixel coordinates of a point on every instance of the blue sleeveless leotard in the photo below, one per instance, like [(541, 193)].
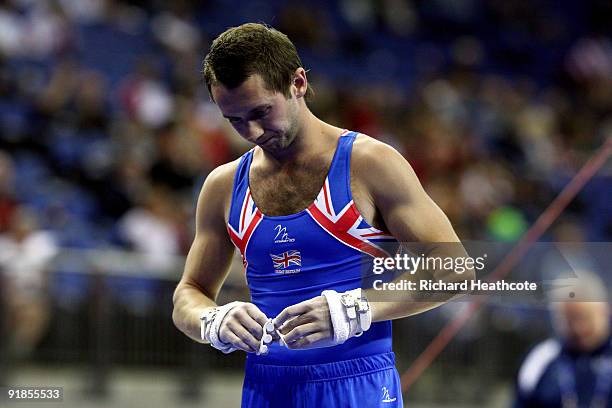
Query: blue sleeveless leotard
[(295, 257)]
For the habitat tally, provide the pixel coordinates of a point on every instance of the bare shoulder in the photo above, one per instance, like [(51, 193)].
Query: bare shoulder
[(222, 177), (372, 159), (217, 189), (387, 178)]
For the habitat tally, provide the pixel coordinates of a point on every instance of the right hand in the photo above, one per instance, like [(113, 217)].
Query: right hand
[(242, 327)]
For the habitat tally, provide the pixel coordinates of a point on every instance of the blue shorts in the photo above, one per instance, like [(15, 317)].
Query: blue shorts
[(370, 381)]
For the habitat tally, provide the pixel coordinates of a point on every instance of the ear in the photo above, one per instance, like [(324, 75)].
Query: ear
[(300, 82)]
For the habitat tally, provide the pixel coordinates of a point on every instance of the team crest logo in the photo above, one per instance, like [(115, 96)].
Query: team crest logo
[(281, 235), (283, 261)]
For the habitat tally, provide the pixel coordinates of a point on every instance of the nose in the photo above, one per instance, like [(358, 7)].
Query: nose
[(253, 131)]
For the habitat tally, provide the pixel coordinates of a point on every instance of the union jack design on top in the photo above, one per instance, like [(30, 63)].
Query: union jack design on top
[(284, 260), (333, 210), (347, 225), (250, 217)]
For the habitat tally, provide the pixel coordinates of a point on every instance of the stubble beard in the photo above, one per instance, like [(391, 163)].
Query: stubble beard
[(287, 138)]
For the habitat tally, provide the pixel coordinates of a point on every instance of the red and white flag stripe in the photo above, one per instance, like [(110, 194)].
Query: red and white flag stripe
[(250, 217), (344, 226)]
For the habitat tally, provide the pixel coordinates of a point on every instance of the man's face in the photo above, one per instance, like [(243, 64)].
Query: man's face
[(259, 115), (584, 325)]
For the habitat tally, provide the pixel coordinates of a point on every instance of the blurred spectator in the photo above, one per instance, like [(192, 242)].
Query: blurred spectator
[(575, 369), (489, 113), (38, 31), (176, 32), (180, 156), (146, 98), (152, 228), (8, 204), (25, 256)]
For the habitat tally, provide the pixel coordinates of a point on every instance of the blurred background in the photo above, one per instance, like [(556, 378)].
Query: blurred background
[(107, 133)]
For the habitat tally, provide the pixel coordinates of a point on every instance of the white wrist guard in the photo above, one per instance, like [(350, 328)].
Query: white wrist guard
[(350, 313), (210, 322)]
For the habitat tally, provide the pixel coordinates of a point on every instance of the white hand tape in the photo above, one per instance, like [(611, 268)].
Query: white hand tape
[(212, 332)]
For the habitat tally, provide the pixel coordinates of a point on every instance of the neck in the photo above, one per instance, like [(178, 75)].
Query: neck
[(602, 343), (308, 141)]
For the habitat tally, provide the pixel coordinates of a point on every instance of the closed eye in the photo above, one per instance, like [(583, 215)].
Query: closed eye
[(258, 114), (255, 114)]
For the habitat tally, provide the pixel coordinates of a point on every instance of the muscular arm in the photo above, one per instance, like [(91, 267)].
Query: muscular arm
[(410, 215), (209, 257), (386, 191)]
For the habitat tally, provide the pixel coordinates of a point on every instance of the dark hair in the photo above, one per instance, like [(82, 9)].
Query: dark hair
[(252, 48)]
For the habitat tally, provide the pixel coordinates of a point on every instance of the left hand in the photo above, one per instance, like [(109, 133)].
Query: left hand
[(307, 324)]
